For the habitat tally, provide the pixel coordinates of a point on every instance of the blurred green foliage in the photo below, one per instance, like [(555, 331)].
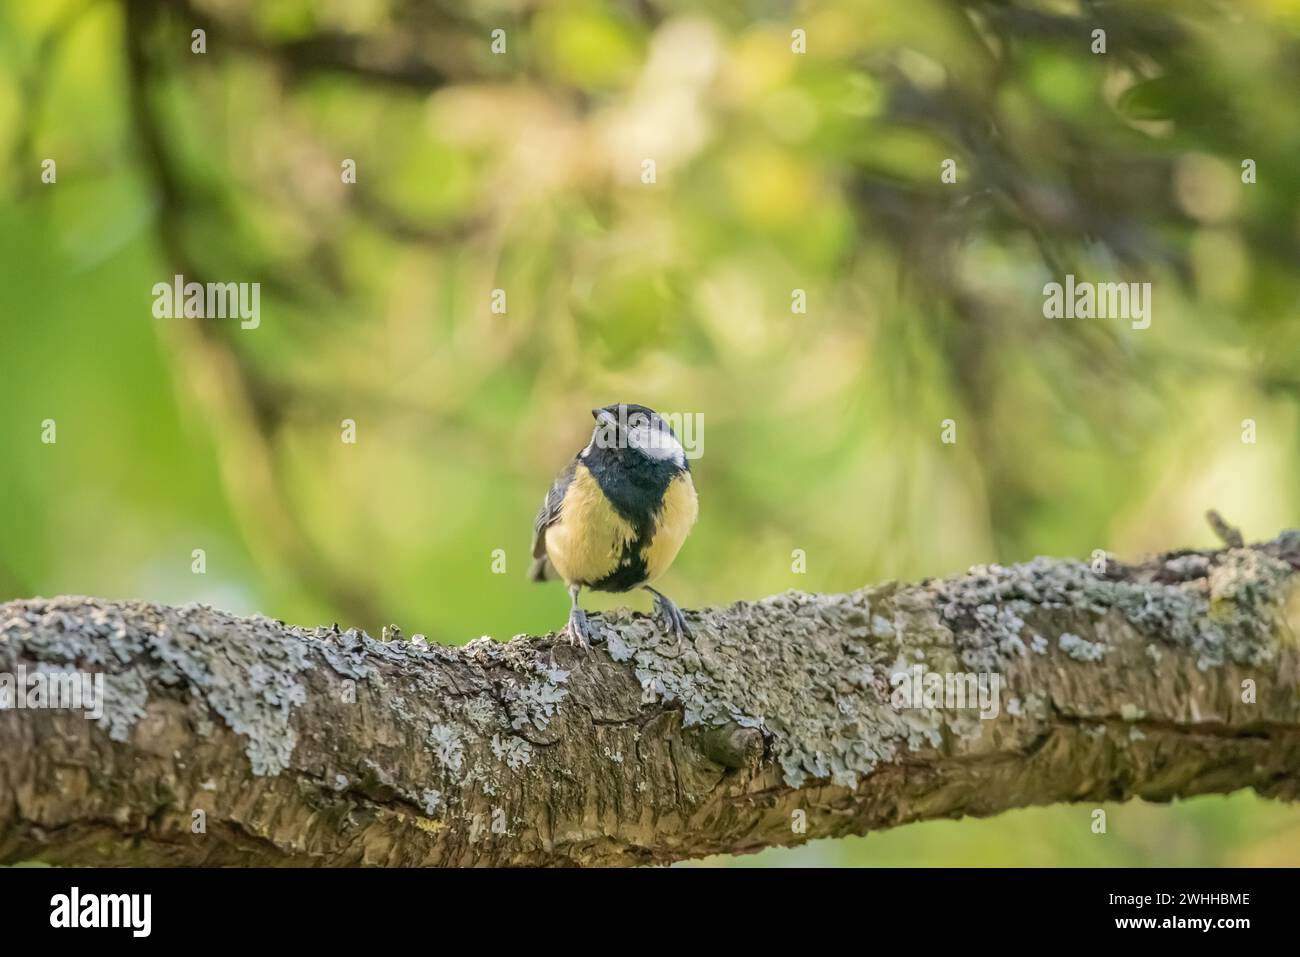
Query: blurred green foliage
[(521, 171)]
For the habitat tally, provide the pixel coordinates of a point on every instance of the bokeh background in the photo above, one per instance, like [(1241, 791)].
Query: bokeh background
[(775, 171)]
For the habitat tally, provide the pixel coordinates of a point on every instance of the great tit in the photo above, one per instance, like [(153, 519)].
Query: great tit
[(616, 516)]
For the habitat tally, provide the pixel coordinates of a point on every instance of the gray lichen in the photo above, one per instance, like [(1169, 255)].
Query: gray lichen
[(719, 681), (534, 703), (515, 752), (1235, 621), (245, 670), (481, 711), (125, 699), (447, 747), (1080, 649)]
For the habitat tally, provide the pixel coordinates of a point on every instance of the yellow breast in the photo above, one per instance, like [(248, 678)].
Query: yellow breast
[(680, 509), (590, 538), (587, 541)]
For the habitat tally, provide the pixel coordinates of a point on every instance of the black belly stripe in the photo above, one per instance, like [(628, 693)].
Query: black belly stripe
[(635, 486), (629, 573)]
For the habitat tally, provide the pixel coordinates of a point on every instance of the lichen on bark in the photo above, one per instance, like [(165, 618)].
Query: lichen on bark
[(330, 747)]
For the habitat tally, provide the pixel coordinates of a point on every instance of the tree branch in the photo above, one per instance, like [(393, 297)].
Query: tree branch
[(280, 745)]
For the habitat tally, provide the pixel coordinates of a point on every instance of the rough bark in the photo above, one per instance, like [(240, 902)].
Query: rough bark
[(326, 747)]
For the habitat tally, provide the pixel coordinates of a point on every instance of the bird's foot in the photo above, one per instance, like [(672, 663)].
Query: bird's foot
[(579, 629), (671, 618)]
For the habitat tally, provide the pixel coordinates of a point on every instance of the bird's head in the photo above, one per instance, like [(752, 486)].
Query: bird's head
[(636, 427)]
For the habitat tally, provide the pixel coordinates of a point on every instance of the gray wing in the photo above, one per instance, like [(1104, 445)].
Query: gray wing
[(550, 512)]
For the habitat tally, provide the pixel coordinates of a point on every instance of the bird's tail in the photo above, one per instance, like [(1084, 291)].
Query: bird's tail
[(538, 569)]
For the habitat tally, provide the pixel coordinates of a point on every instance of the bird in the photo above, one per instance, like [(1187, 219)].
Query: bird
[(616, 516)]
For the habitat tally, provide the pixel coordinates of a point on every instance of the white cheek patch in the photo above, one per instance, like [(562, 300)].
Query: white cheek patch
[(658, 444)]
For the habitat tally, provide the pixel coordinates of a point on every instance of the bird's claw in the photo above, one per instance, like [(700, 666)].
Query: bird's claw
[(579, 629), (671, 619)]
